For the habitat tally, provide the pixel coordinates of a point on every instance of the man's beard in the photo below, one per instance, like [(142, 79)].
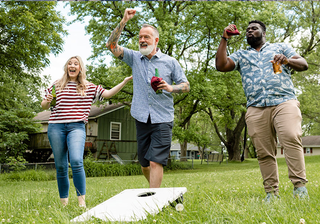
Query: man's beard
[(146, 51), (253, 41)]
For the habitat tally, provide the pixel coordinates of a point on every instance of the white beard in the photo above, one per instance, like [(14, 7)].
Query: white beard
[(147, 50)]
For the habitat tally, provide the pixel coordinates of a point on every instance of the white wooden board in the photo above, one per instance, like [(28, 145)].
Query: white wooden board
[(133, 204)]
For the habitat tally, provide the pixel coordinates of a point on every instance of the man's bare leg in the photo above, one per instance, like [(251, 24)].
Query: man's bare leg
[(146, 173), (153, 174), (156, 174)]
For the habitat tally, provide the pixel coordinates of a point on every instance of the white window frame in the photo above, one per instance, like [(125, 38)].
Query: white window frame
[(111, 131)]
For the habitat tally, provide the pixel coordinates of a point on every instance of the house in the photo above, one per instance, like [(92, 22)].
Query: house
[(311, 146), (192, 151), (110, 131)]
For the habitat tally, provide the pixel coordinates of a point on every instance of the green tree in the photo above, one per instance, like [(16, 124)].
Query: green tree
[(307, 23), (29, 32), (204, 135), (191, 33)]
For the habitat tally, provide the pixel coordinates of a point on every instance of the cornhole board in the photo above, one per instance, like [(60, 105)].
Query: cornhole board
[(133, 204)]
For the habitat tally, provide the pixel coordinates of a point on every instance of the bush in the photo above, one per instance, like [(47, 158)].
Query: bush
[(30, 175), (175, 165), (94, 168), (16, 164)]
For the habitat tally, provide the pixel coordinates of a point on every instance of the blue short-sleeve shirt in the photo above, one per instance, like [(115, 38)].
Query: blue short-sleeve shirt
[(261, 85), (145, 101)]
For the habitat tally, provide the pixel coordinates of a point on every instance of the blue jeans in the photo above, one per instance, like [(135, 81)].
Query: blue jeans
[(68, 138)]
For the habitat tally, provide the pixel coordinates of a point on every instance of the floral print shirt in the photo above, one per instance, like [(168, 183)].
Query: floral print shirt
[(261, 85)]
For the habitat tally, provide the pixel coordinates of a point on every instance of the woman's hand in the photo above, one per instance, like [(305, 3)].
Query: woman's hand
[(45, 104), (49, 98), (127, 79)]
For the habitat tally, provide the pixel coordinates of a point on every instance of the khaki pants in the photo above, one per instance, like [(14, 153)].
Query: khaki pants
[(264, 125)]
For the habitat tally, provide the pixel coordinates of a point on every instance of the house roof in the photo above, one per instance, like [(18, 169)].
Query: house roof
[(311, 140), (95, 112), (190, 147)]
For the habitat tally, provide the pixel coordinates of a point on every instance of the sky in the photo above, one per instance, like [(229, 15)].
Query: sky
[(76, 43)]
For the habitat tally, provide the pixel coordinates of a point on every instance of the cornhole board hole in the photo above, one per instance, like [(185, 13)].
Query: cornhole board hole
[(133, 204)]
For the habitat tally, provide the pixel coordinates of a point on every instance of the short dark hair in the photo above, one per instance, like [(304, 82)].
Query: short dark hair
[(261, 24)]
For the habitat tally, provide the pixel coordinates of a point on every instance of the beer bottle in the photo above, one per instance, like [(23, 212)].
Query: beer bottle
[(159, 91), (53, 93)]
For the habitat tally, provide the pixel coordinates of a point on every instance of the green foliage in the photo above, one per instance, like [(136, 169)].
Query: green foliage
[(16, 164), (29, 32), (94, 168), (176, 165), (310, 103), (29, 175), (189, 32), (307, 30), (33, 30), (15, 125)]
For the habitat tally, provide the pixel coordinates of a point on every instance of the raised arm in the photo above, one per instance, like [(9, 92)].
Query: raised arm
[(223, 62), (111, 92), (112, 43)]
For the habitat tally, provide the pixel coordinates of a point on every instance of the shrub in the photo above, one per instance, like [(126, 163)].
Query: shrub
[(16, 164), (98, 169), (175, 165), (30, 175), (94, 168)]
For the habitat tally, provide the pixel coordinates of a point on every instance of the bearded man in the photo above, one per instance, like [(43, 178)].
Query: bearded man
[(153, 112), (272, 107)]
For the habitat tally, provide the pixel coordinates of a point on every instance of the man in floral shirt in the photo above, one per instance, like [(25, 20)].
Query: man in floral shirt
[(272, 107)]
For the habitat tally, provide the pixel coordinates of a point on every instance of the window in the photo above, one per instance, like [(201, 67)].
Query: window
[(308, 150), (115, 131)]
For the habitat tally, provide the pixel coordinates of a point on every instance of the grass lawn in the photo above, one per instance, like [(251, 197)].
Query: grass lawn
[(217, 193)]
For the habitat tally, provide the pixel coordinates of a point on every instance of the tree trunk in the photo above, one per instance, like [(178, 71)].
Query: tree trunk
[(183, 148), (246, 153), (233, 137), (201, 152), (234, 150)]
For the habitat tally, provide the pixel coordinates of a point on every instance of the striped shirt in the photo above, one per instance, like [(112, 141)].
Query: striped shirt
[(71, 106)]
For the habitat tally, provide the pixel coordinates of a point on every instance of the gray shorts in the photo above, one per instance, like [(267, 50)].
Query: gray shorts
[(154, 142)]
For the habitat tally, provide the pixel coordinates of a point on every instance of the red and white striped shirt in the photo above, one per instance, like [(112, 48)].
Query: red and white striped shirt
[(71, 106)]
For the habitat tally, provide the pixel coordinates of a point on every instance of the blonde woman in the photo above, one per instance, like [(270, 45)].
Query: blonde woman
[(66, 130)]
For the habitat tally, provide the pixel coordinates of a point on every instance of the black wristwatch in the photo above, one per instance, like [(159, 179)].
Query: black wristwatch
[(226, 39)]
